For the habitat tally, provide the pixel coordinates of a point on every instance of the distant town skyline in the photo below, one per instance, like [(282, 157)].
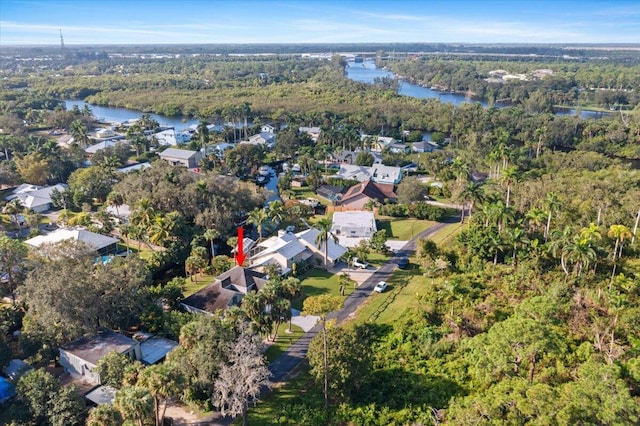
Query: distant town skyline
[(38, 22)]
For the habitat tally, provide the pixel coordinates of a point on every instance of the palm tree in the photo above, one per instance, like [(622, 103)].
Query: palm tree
[(292, 290), (14, 208), (134, 403), (460, 169), (472, 194), (552, 203), (276, 211), (80, 133), (560, 246), (160, 229), (143, 213), (509, 176), (115, 199), (619, 232), (211, 235), (203, 133), (536, 218), (257, 217), (516, 239), (324, 226)]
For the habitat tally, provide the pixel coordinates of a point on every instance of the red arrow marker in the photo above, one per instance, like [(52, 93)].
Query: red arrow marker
[(240, 253)]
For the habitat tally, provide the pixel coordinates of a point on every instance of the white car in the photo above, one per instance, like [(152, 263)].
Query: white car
[(359, 264), (380, 287)]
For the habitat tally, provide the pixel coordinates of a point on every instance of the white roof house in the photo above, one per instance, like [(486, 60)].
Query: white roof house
[(268, 139), (100, 243), (334, 250), (102, 145), (288, 248), (353, 226), (35, 197), (171, 137), (133, 168), (378, 173), (283, 250), (378, 143)]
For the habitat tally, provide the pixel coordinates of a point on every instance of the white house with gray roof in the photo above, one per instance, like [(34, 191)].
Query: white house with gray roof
[(36, 198), (103, 244)]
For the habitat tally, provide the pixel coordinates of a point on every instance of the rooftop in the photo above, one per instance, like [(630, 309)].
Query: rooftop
[(93, 348)]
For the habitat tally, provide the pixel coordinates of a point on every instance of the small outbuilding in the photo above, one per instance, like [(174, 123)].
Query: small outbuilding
[(81, 357)]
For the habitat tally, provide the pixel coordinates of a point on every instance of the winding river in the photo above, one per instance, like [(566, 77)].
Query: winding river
[(364, 72)]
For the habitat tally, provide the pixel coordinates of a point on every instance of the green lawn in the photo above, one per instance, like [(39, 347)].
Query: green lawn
[(318, 281), (193, 286), (403, 229), (283, 341), (400, 296), (447, 234)]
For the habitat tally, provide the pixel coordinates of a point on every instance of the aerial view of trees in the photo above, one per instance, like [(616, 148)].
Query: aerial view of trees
[(521, 309)]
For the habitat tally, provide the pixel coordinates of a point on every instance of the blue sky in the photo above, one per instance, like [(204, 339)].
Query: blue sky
[(28, 22)]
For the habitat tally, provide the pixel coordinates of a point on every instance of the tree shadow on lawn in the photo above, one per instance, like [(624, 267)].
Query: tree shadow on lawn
[(386, 225)]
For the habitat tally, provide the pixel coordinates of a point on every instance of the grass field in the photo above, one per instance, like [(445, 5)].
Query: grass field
[(404, 229), (283, 341), (318, 281)]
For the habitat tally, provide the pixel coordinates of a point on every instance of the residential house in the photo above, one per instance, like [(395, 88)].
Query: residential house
[(425, 146), (398, 148), (134, 168), (313, 132), (181, 157), (154, 349), (103, 244), (354, 226), (81, 357), (263, 138), (331, 193), (385, 174), (225, 291), (36, 198), (91, 150), (282, 250), (378, 143), (334, 250), (267, 128), (359, 195), (377, 172), (169, 137), (105, 133)]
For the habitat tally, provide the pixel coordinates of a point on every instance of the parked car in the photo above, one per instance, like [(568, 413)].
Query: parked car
[(403, 263), (380, 287), (359, 264)]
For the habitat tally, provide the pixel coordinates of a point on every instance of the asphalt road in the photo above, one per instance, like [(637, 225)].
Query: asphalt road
[(288, 360)]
